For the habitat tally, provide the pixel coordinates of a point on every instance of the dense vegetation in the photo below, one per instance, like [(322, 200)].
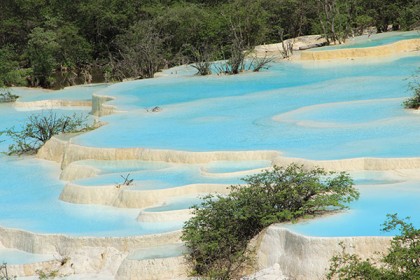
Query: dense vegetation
[(40, 127), (52, 43), (401, 262), (217, 236)]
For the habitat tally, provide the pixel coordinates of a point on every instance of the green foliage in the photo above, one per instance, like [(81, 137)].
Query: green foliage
[(42, 51), (69, 38), (401, 262), (247, 22), (290, 16), (186, 24), (74, 49), (414, 85), (7, 96), (10, 75), (39, 128), (218, 235), (141, 53)]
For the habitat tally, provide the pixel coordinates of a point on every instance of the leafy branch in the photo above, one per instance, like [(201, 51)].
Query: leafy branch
[(6, 96), (217, 236), (39, 128), (402, 261)]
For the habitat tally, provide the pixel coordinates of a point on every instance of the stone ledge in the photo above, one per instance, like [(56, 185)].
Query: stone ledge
[(384, 50)]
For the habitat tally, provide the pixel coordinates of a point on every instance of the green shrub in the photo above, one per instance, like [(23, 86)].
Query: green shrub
[(414, 101), (7, 96), (414, 86), (218, 234), (39, 128), (402, 261)]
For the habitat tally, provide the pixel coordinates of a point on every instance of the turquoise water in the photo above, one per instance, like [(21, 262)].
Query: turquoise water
[(381, 193), (14, 256), (82, 92), (16, 117), (158, 252), (175, 175), (29, 192), (124, 167), (235, 166), (29, 201), (177, 203), (374, 40), (366, 215), (240, 112), (313, 110)]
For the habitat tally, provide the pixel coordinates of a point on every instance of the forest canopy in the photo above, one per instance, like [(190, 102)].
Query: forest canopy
[(54, 43)]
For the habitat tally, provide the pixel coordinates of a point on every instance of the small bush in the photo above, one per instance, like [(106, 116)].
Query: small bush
[(401, 262), (39, 128), (414, 86), (202, 58), (258, 63), (7, 96), (414, 101), (218, 234), (45, 275)]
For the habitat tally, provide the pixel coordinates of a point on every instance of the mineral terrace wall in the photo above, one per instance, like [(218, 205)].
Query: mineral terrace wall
[(390, 49)]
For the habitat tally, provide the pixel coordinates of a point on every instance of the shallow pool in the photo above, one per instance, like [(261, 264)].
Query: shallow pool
[(147, 178), (158, 252), (81, 92), (313, 110), (14, 256), (374, 40), (176, 203), (366, 216), (343, 111)]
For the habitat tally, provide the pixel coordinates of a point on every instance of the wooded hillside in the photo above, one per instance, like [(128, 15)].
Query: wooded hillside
[(53, 43)]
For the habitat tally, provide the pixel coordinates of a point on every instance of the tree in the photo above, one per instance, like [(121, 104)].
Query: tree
[(7, 96), (185, 25), (39, 128), (246, 20), (10, 72), (141, 52), (402, 261), (218, 234), (334, 18), (42, 52), (74, 49), (292, 17), (202, 59), (414, 85)]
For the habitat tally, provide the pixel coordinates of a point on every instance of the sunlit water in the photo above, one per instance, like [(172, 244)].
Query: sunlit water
[(29, 191), (378, 197), (83, 92), (314, 110), (14, 256), (158, 252), (373, 40), (362, 113)]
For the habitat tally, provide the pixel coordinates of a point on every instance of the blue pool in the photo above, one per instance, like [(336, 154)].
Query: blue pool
[(374, 40), (311, 110)]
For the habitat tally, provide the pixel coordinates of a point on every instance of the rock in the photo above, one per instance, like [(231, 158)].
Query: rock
[(156, 109)]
